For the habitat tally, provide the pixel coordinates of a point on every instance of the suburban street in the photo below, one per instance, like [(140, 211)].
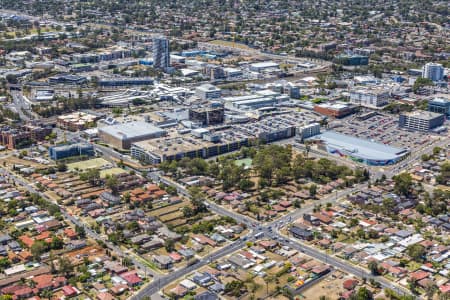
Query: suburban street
[(271, 230)]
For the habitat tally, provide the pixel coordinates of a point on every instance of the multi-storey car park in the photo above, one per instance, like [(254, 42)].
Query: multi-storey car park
[(214, 141)]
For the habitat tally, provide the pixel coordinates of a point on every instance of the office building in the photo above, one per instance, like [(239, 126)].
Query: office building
[(208, 91), (123, 135), (433, 71), (213, 72), (125, 81), (352, 60), (161, 56), (211, 115), (421, 120), (370, 97), (65, 151), (440, 105)]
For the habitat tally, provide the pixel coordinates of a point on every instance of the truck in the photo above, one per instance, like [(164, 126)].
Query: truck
[(259, 235)]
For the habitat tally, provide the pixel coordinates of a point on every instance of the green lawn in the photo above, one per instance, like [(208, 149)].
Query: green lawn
[(112, 171), (88, 164)]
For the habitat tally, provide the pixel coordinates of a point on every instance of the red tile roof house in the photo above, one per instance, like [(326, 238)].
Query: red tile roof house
[(200, 238), (70, 233), (26, 240), (445, 289), (105, 296), (285, 203), (419, 275), (350, 284), (268, 244), (394, 271), (119, 289), (69, 291), (131, 278), (176, 257), (279, 208), (47, 281), (23, 293)]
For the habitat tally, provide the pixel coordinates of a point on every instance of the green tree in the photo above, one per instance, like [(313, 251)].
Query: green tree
[(65, 266), (416, 252), (420, 83), (403, 184), (362, 294), (112, 184), (38, 248), (56, 243), (169, 244), (312, 190), (373, 267)]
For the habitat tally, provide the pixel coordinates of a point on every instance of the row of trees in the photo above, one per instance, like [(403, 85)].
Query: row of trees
[(273, 164)]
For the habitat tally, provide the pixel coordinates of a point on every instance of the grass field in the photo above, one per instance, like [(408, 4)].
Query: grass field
[(230, 44), (112, 171), (246, 162), (88, 164)]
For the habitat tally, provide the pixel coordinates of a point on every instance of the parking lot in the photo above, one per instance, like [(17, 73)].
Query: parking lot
[(383, 129)]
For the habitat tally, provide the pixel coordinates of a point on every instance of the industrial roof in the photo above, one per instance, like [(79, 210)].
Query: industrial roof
[(265, 64), (132, 129), (362, 148)]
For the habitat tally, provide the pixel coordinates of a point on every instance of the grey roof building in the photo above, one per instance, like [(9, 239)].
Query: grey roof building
[(123, 135)]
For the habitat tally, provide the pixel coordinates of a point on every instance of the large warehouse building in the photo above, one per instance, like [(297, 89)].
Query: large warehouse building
[(123, 135), (360, 150)]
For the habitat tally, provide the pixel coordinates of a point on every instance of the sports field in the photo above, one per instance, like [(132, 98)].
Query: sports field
[(88, 164), (112, 171)]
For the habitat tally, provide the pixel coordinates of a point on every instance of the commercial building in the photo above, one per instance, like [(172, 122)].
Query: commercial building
[(440, 105), (261, 99), (76, 121), (125, 81), (67, 79), (207, 142), (352, 60), (65, 151), (433, 71), (360, 150), (161, 55), (208, 91), (176, 147), (371, 97), (263, 66), (210, 115), (335, 110), (421, 120), (232, 72), (123, 135)]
